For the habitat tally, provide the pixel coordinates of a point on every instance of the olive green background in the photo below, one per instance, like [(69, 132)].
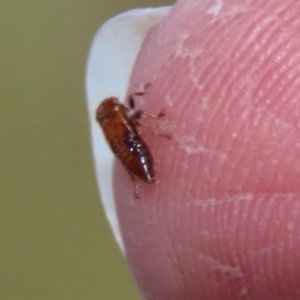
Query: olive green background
[(55, 240)]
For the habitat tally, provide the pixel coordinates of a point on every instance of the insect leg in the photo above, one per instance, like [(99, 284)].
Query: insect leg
[(141, 93), (164, 135), (139, 113), (131, 102)]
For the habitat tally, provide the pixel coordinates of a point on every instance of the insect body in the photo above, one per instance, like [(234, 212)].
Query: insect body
[(119, 125)]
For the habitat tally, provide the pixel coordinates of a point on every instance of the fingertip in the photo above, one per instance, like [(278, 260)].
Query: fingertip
[(186, 237)]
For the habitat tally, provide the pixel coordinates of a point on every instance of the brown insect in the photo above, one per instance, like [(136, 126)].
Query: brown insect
[(119, 125)]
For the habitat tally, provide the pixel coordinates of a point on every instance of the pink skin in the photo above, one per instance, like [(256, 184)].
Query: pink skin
[(223, 220)]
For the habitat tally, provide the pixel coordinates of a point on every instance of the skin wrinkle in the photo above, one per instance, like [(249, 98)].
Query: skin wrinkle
[(259, 36), (253, 61), (270, 218), (188, 255), (289, 114), (297, 219), (276, 268), (284, 95), (240, 223), (242, 39), (232, 255), (233, 146), (281, 105), (286, 13), (174, 264), (287, 179), (177, 277), (258, 173), (258, 67), (226, 268), (258, 269), (274, 83), (273, 268), (270, 91), (282, 265), (293, 181), (285, 265), (266, 144), (212, 137), (239, 162), (237, 223)]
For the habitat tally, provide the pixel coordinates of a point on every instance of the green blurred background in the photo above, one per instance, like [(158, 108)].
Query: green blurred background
[(55, 241)]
